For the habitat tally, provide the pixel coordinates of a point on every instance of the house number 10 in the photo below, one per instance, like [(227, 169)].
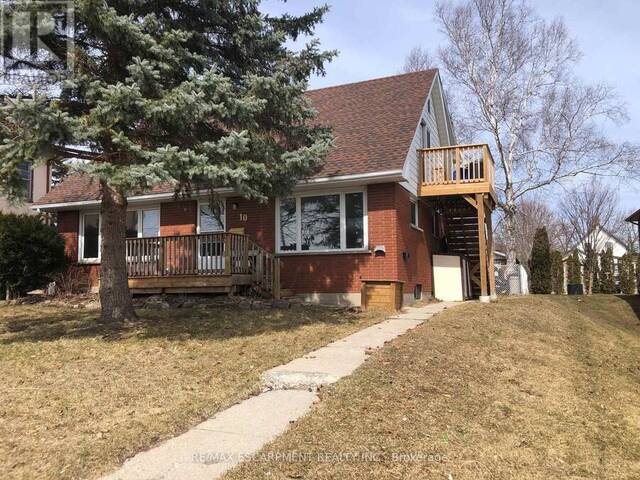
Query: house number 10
[(243, 217)]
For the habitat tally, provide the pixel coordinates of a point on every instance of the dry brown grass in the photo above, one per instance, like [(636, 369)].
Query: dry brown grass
[(78, 398), (528, 388)]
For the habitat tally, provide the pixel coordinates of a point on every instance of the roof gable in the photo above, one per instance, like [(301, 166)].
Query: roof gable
[(373, 122)]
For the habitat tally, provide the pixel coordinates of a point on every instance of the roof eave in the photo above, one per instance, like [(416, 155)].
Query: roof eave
[(389, 176)]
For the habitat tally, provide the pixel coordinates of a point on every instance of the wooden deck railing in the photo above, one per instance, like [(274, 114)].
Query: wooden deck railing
[(206, 254), (456, 169)]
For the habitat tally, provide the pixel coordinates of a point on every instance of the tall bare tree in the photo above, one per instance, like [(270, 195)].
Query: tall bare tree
[(588, 209), (418, 59), (532, 214), (514, 71)]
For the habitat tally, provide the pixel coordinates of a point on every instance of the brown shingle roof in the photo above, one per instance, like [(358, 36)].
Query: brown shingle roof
[(373, 123)]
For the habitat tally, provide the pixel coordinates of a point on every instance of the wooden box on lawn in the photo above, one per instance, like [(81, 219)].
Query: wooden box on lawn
[(381, 295)]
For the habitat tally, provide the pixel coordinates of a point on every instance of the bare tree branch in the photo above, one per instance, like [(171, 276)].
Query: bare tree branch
[(513, 74), (418, 59)]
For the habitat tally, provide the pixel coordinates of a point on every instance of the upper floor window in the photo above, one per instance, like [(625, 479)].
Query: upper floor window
[(429, 105), (322, 222), (26, 181)]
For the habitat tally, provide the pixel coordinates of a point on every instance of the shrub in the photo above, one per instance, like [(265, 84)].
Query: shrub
[(557, 272), (627, 274), (71, 281), (607, 274), (31, 253), (540, 263), (574, 272)]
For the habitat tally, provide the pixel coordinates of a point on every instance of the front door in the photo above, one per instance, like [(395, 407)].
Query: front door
[(211, 239)]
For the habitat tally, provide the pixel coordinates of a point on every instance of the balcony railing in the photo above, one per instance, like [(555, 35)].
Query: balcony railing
[(456, 169), (207, 255)]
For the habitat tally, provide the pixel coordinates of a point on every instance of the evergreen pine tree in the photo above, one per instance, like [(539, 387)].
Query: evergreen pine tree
[(574, 273), (557, 272), (627, 274), (608, 283), (197, 95), (540, 262)]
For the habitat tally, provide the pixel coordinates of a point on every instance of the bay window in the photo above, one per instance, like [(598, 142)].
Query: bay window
[(319, 223)]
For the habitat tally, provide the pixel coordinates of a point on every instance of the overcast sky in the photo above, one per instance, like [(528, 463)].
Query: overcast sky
[(374, 36)]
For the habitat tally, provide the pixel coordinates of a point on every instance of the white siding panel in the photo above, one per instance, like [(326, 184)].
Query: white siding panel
[(410, 169)]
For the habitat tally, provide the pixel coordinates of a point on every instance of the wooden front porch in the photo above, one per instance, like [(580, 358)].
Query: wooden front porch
[(458, 181), (204, 263)]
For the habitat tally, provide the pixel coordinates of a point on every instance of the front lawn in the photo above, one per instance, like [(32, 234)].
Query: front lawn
[(528, 388), (78, 398)]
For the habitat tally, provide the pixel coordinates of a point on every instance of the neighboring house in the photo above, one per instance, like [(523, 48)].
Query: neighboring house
[(394, 192), (36, 185), (602, 239), (634, 218)]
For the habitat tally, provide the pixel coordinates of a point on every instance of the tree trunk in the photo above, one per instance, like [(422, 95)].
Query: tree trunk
[(115, 297), (509, 220)]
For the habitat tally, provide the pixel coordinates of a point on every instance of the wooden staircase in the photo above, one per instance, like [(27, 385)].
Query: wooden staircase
[(462, 234)]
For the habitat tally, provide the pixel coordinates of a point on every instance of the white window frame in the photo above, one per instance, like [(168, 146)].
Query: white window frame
[(139, 217), (416, 208), (95, 212), (81, 259), (224, 217), (343, 223)]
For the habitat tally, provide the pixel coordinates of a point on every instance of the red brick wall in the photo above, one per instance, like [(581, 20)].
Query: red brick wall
[(68, 225), (416, 268), (257, 219), (178, 218)]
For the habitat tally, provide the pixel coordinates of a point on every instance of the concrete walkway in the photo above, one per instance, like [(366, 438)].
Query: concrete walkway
[(233, 435)]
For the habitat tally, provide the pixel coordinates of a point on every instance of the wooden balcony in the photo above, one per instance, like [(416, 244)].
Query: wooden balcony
[(456, 170), (208, 262)]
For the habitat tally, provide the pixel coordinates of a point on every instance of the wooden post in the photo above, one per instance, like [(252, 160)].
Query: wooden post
[(492, 270), (421, 157), (482, 244), (227, 254), (276, 278), (458, 156)]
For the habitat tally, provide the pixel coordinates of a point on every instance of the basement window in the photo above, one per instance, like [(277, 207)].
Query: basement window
[(417, 292)]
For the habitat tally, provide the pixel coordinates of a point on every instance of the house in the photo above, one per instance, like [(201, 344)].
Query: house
[(36, 183), (601, 239), (394, 192), (634, 219)]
